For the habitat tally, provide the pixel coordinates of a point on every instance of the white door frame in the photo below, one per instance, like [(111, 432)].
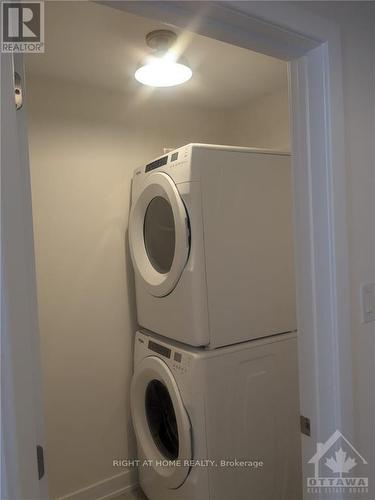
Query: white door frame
[(21, 403), (312, 45)]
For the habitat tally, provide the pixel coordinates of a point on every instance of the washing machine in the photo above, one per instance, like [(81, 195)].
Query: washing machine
[(217, 424), (211, 240)]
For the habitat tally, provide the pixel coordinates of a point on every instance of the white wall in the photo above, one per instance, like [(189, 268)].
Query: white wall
[(357, 21), (263, 122), (359, 69)]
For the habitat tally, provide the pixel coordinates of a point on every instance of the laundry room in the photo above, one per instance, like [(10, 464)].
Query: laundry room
[(91, 125)]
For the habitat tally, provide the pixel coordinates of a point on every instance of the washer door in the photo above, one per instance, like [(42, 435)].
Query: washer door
[(161, 423), (159, 234)]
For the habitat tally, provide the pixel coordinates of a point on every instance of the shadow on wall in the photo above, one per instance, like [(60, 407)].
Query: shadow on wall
[(132, 308)]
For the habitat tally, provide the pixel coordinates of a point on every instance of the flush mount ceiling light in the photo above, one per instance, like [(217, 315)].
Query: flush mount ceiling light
[(163, 68)]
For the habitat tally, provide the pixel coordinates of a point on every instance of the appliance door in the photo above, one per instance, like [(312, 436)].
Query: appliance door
[(159, 234), (160, 421)]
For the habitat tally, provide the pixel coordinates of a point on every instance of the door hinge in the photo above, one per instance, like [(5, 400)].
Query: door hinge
[(18, 93), (40, 461), (305, 426)]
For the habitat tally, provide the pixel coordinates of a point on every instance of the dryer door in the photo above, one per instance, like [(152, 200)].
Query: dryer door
[(159, 234), (160, 421)]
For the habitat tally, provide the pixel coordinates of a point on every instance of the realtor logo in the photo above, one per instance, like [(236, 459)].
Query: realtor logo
[(22, 27), (334, 463)]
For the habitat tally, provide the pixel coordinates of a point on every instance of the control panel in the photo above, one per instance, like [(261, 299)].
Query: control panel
[(173, 159), (176, 359), (156, 163), (176, 164)]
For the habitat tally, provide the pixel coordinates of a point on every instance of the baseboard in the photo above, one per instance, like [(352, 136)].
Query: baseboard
[(106, 489)]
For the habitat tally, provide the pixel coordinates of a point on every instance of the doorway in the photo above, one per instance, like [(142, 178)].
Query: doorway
[(318, 247), (91, 124)]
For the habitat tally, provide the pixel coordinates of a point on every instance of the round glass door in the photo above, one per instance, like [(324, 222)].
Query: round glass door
[(159, 234), (161, 419), (161, 423)]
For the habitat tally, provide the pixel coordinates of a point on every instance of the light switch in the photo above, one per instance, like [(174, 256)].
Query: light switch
[(368, 302)]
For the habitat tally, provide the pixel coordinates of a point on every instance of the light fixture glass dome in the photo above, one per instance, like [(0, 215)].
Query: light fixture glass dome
[(164, 68), (163, 72)]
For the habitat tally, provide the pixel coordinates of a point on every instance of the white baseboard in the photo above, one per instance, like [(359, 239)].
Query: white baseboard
[(106, 489)]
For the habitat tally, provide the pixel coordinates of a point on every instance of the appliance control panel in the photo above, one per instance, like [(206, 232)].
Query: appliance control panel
[(176, 158), (176, 164), (180, 362), (176, 359)]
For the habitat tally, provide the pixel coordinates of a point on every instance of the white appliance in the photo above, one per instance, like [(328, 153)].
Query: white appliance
[(211, 240), (192, 405)]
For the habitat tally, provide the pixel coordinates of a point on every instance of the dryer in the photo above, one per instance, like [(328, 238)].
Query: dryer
[(211, 240), (217, 424)]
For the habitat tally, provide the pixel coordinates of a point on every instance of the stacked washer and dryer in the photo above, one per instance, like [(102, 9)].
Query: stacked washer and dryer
[(214, 395)]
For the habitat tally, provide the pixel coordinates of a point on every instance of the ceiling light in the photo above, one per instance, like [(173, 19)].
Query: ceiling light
[(163, 73), (163, 68)]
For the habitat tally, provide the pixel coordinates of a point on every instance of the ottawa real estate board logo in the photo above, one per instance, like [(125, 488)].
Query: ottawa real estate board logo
[(22, 27), (335, 464)]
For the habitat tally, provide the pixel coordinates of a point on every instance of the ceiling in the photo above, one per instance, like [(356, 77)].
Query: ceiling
[(95, 45)]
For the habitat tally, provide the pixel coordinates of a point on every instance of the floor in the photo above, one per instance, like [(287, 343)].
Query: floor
[(132, 495)]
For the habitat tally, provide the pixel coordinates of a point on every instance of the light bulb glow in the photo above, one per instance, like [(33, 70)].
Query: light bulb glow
[(163, 72)]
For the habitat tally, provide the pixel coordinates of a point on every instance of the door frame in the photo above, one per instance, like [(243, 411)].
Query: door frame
[(311, 44), (312, 47), (22, 427)]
